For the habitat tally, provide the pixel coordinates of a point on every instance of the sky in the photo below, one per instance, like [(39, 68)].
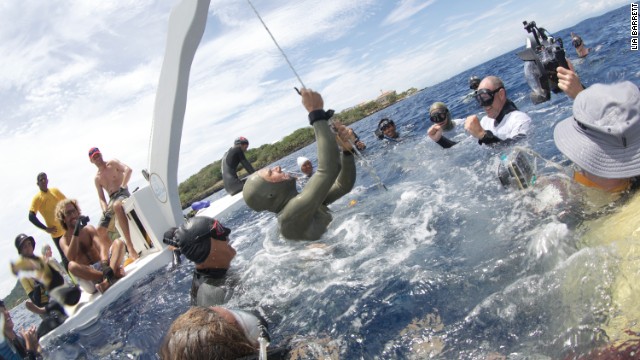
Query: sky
[(78, 74)]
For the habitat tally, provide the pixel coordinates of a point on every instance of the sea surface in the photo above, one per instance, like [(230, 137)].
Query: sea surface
[(446, 263)]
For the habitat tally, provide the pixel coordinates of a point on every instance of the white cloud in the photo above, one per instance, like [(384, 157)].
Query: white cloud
[(405, 10)]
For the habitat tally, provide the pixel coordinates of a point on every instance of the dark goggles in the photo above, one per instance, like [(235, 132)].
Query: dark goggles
[(484, 97), (577, 42), (385, 125), (439, 116)]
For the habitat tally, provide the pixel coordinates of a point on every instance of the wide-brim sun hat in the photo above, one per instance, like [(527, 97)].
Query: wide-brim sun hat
[(603, 135)]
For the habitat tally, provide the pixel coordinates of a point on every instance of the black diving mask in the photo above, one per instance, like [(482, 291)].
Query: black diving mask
[(485, 97), (438, 116)]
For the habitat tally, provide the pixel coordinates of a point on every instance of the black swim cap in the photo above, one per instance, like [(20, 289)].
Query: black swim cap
[(193, 236)]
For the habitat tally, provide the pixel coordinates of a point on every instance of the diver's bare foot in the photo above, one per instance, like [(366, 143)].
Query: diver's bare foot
[(103, 286)]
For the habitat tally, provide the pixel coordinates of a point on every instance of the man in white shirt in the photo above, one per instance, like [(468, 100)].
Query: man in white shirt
[(503, 122)]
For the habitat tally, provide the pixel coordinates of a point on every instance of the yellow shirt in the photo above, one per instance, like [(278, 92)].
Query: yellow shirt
[(45, 203)]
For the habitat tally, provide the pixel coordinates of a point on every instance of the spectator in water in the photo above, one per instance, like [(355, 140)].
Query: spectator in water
[(440, 117), (15, 346), (504, 123), (578, 44), (204, 241), (386, 130)]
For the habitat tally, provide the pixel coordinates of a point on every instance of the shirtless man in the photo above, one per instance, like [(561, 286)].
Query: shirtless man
[(92, 258), (112, 177)]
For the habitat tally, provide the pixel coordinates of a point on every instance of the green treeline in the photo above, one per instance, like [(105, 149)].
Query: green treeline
[(209, 179)]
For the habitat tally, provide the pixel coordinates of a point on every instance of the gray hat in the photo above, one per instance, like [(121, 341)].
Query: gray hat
[(603, 135)]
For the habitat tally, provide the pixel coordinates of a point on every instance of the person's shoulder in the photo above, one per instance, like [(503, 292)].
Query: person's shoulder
[(521, 115)]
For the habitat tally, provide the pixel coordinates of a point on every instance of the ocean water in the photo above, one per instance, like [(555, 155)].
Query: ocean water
[(446, 264)]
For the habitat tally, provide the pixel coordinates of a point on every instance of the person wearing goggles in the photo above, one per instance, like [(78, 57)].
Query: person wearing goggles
[(205, 241), (440, 117), (386, 130), (503, 122), (578, 44)]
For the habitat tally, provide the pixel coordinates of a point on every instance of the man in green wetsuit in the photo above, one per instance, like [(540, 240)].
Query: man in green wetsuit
[(305, 215)]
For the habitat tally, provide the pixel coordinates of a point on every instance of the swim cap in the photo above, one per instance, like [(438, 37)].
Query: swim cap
[(301, 161), (438, 105), (241, 141), (474, 82), (193, 237), (260, 194), (21, 238)]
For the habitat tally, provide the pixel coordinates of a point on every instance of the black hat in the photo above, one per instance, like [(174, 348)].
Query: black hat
[(193, 236), (241, 141), (21, 238)]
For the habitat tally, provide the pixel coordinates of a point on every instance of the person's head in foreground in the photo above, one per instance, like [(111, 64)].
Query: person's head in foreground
[(440, 115), (603, 136), (305, 166), (25, 245), (210, 333)]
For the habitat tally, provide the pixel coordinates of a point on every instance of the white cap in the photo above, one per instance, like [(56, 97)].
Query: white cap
[(302, 160)]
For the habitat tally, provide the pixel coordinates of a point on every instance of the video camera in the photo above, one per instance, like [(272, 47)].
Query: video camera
[(542, 55), (517, 170)]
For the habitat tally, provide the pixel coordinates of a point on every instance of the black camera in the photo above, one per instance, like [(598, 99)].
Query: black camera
[(542, 55)]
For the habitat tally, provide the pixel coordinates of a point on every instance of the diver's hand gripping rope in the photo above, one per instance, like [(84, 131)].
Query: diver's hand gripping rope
[(366, 164)]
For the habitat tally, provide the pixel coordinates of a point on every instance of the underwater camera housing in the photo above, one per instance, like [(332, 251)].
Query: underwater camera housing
[(517, 170), (543, 54)]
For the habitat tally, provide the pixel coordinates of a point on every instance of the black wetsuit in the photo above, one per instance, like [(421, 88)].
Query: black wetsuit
[(230, 161)]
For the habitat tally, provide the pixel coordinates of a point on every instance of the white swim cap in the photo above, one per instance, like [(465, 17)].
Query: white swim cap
[(301, 161)]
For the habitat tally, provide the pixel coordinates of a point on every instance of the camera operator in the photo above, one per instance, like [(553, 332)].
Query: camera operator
[(503, 122)]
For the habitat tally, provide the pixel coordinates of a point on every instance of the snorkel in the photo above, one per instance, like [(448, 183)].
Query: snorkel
[(543, 54)]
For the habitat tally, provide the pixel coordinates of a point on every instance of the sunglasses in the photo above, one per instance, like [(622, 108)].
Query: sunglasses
[(485, 96), (438, 117)]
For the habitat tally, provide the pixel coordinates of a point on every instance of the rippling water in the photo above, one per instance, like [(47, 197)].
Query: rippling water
[(446, 263)]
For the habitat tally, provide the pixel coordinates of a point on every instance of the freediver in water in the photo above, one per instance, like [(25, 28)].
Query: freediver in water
[(305, 215), (440, 117), (578, 44), (504, 123), (204, 241), (230, 161)]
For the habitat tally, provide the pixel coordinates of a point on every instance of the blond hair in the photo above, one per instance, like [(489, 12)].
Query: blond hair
[(60, 210), (202, 334)]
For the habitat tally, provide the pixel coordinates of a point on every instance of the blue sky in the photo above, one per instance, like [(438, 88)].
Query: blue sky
[(78, 74)]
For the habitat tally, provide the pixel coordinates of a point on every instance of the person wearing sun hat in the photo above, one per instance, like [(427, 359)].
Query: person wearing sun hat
[(603, 136), (205, 241)]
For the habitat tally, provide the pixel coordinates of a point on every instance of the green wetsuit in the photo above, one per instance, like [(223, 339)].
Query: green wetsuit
[(305, 215)]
